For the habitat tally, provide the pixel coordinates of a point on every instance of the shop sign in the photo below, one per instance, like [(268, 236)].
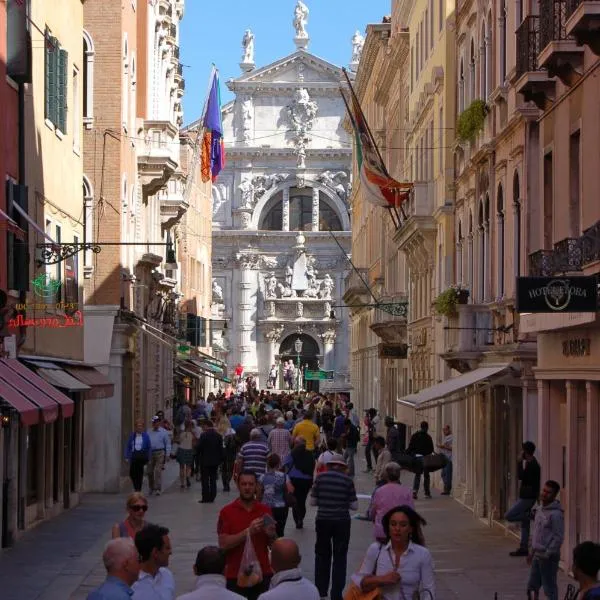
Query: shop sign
[(397, 351), (577, 347), (59, 322), (557, 294), (319, 375)]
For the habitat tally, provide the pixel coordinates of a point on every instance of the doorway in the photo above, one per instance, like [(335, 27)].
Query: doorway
[(308, 358)]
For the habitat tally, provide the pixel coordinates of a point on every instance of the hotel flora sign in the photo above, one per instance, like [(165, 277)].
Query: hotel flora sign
[(557, 294)]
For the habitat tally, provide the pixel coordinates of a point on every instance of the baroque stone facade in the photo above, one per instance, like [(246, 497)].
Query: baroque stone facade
[(278, 271)]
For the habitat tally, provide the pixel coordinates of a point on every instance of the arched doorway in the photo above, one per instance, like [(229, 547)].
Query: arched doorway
[(308, 358)]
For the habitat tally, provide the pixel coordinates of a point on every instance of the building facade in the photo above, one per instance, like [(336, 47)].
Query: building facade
[(281, 228)]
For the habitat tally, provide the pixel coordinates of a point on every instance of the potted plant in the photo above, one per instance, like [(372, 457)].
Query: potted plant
[(471, 121), (445, 303)]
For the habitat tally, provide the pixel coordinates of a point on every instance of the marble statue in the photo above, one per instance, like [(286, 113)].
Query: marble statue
[(311, 272), (217, 292), (358, 43), (247, 190), (285, 291), (299, 310), (248, 47), (302, 112), (301, 13), (219, 342), (270, 286), (301, 163), (327, 286), (263, 183), (313, 290), (335, 181), (289, 274), (247, 113)]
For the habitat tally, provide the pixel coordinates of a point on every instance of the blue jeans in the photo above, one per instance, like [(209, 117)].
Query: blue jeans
[(349, 455), (426, 480), (520, 511), (447, 477), (543, 575)]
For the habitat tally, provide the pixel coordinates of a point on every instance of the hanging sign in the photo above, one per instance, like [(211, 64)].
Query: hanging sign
[(557, 294)]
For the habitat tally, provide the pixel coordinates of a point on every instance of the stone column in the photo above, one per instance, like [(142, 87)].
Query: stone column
[(592, 450), (530, 410), (285, 209), (273, 337), (569, 494), (315, 209), (245, 304), (486, 261), (328, 338)]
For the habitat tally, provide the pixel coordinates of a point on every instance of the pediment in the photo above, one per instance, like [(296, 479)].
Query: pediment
[(298, 67)]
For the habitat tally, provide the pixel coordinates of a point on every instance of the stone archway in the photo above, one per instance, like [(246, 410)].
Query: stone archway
[(308, 358)]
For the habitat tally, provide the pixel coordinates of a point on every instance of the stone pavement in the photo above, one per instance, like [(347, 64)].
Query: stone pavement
[(61, 559)]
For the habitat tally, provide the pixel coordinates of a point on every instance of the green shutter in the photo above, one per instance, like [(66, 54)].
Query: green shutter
[(61, 89), (49, 55)]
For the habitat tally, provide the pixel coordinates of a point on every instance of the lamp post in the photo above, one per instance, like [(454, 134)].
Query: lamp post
[(298, 348)]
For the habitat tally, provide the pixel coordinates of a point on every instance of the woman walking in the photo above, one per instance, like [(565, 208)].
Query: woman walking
[(185, 454), (274, 485), (135, 521), (401, 566), (138, 452), (300, 465)]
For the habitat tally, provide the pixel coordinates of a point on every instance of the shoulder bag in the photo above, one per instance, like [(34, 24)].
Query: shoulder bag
[(354, 592)]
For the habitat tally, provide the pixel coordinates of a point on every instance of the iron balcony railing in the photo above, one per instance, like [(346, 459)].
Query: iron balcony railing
[(541, 263), (591, 244), (553, 16), (572, 7), (528, 45)]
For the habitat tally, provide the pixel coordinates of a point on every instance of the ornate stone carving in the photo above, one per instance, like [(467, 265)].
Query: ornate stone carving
[(358, 43), (299, 310), (311, 271), (301, 13), (335, 181), (245, 219), (302, 112), (247, 193), (247, 115), (328, 336), (263, 183), (273, 335), (217, 292), (270, 286), (312, 291), (219, 197), (327, 286), (247, 261), (248, 48), (220, 342), (327, 309), (270, 308), (268, 262)]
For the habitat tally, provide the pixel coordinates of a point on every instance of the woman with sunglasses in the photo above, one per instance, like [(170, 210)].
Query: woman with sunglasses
[(135, 521), (402, 565)]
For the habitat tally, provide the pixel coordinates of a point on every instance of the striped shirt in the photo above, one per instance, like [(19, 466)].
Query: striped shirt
[(254, 456), (334, 495), (279, 443)]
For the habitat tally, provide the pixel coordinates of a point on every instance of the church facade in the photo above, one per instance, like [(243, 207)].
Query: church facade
[(281, 220)]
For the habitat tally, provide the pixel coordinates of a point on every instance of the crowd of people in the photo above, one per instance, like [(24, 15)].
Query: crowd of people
[(283, 451)]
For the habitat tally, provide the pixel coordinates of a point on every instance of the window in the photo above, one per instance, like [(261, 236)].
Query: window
[(500, 240), (441, 140), (133, 92), (431, 25), (76, 113), (461, 87), (472, 73), (574, 183), (88, 220), (427, 36), (17, 252), (442, 14), (459, 254), (58, 267), (88, 78), (483, 66), (55, 83), (125, 85), (502, 41), (548, 201), (517, 213)]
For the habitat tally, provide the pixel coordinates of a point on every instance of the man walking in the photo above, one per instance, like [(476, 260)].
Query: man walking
[(161, 450), (351, 438), (242, 519), (210, 451), (548, 536), (280, 440), (120, 558), (288, 582), (529, 474), (446, 449), (333, 494), (393, 439), (253, 455), (155, 581), (420, 446)]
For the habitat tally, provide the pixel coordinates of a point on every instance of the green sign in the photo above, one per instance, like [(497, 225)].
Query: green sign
[(181, 349), (45, 286), (318, 375)]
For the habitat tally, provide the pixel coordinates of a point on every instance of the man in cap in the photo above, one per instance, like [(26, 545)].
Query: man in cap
[(161, 449), (334, 495)]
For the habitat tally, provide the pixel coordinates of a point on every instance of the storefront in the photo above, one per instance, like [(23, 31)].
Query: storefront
[(568, 379)]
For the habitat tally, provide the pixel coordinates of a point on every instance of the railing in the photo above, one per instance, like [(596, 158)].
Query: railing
[(553, 16), (568, 255), (182, 84), (469, 330), (353, 282), (528, 45), (541, 263), (591, 244), (572, 7), (176, 52)]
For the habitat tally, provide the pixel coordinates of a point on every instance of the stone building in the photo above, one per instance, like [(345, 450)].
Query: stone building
[(284, 188)]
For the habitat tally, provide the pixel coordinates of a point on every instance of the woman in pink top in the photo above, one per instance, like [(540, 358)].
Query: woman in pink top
[(384, 498)]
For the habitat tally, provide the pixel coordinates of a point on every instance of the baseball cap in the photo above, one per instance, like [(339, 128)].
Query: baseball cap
[(155, 418)]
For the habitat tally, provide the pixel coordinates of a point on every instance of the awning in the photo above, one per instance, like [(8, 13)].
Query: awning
[(450, 386), (101, 386), (7, 223), (57, 377), (189, 373), (207, 366), (29, 413), (66, 404), (10, 378)]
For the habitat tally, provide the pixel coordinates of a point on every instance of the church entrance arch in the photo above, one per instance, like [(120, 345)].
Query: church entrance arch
[(308, 359)]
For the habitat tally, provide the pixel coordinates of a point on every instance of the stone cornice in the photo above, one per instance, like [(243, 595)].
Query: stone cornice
[(377, 36), (247, 152), (399, 46), (250, 234), (267, 88)]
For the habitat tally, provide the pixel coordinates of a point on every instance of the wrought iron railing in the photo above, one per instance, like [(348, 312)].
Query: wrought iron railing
[(572, 6), (528, 45), (553, 16), (568, 255), (590, 243), (541, 263)]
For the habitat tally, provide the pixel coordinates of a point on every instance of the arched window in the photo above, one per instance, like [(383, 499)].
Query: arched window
[(459, 253), (88, 79), (489, 56), (133, 81), (88, 221), (461, 87), (480, 253), (471, 258), (472, 73), (500, 240), (300, 212), (518, 225), (502, 25), (483, 66)]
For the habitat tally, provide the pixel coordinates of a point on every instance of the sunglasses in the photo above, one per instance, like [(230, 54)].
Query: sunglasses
[(137, 507)]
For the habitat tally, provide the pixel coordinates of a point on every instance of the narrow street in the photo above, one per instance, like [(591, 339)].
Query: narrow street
[(61, 559)]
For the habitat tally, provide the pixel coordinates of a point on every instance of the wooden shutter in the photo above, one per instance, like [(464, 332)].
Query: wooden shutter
[(61, 88), (17, 250), (49, 73)]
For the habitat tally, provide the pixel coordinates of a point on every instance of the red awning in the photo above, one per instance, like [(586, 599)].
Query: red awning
[(29, 412), (102, 386), (12, 378), (67, 405)]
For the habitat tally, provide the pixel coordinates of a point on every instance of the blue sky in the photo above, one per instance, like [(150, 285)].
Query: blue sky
[(212, 31)]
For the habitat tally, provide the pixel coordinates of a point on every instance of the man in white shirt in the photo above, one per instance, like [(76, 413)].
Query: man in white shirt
[(155, 581), (211, 583), (288, 582), (446, 449)]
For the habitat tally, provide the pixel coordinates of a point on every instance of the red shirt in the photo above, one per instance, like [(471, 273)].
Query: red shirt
[(234, 518)]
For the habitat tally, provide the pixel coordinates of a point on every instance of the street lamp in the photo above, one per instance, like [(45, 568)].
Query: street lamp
[(298, 348)]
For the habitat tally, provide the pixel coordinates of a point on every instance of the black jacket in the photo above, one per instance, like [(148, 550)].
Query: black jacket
[(420, 443), (210, 448), (393, 442), (530, 479)]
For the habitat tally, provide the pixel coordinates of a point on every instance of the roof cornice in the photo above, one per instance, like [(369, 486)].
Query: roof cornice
[(377, 36)]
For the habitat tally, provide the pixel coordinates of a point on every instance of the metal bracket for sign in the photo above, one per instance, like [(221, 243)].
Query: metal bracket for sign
[(51, 254)]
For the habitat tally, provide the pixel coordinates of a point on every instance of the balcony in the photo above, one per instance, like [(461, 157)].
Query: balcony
[(178, 73), (467, 335), (175, 55), (583, 23), (417, 219), (158, 156), (390, 328), (531, 80), (356, 292), (171, 37), (559, 52), (173, 203)]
